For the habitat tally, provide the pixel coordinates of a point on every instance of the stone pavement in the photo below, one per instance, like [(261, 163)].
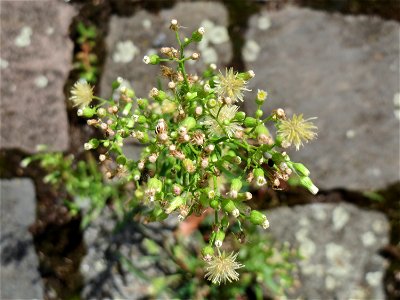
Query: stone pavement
[(20, 278), (35, 62), (343, 70), (340, 244)]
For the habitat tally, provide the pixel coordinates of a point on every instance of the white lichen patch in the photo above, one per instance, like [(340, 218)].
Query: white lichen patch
[(209, 55), (49, 30), (368, 239), (41, 81), (379, 226), (374, 278), (396, 102), (264, 22), (319, 213), (250, 51), (350, 134), (125, 52), (3, 64), (330, 283), (340, 217), (339, 259), (307, 248), (302, 234), (146, 23), (304, 222), (218, 35), (24, 37)]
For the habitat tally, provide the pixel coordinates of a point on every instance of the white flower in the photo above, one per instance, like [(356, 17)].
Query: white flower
[(222, 268), (81, 94), (221, 121)]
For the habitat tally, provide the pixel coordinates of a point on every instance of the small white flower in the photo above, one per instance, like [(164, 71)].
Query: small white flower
[(146, 60)]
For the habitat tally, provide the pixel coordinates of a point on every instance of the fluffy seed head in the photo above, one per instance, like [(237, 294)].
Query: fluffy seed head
[(81, 94), (223, 268)]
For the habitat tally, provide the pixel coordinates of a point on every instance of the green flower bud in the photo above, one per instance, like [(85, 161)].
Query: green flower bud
[(142, 119), (219, 238), (188, 123), (246, 75), (229, 206), (225, 222), (145, 138), (261, 129), (94, 143), (154, 59), (214, 204), (143, 103), (258, 172), (136, 175), (197, 35), (88, 112), (240, 116), (308, 184), (300, 169), (155, 184), (259, 113), (174, 204), (115, 84), (127, 108), (250, 122), (236, 184), (130, 123), (130, 93), (121, 160), (207, 251), (257, 218), (190, 96)]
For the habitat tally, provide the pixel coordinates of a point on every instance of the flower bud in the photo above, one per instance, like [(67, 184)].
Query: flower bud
[(257, 218), (236, 184), (219, 238), (197, 35), (308, 184), (250, 122), (155, 184), (240, 116), (127, 108), (87, 112), (174, 204), (207, 252), (301, 169), (188, 123), (259, 113), (142, 103), (154, 59)]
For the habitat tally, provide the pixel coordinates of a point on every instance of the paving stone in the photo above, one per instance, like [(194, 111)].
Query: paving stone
[(131, 38), (20, 278), (103, 279), (340, 245), (35, 61), (343, 70)]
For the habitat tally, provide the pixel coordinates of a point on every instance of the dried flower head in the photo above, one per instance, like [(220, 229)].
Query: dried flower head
[(81, 94), (230, 85), (222, 268), (221, 121), (297, 130)]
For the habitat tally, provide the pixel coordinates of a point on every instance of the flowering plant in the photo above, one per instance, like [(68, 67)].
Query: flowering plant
[(201, 152)]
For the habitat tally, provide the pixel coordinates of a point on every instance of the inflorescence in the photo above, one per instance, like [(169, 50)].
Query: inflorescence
[(201, 153)]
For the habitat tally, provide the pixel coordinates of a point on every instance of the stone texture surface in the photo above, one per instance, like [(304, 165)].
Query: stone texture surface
[(340, 244), (103, 277), (35, 61), (20, 278), (131, 38), (343, 70)]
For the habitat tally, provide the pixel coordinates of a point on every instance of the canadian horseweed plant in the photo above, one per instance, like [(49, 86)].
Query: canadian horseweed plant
[(201, 152)]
